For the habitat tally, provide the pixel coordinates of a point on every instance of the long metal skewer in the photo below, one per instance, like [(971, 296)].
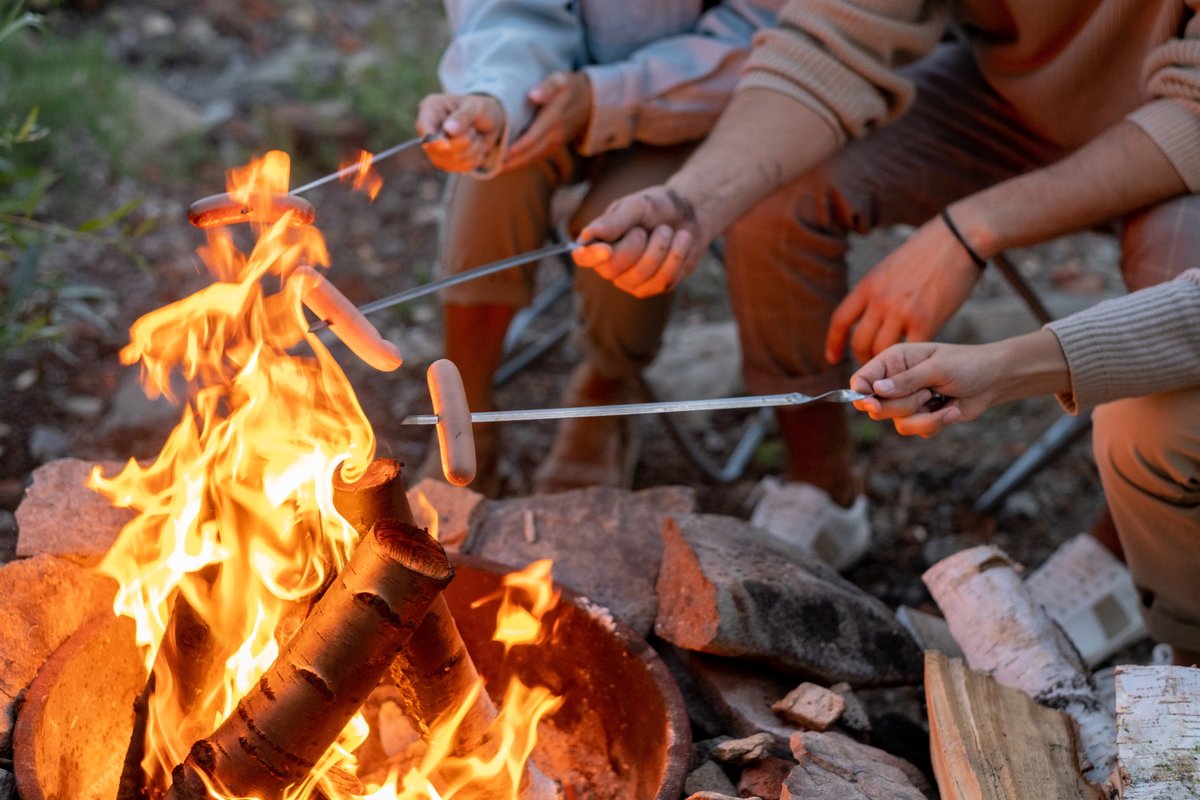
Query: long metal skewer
[(660, 407), (353, 168), (461, 277)]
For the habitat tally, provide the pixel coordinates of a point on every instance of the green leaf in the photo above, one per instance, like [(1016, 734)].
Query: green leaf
[(99, 224), (24, 280)]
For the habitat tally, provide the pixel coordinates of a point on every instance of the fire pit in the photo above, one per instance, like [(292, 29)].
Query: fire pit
[(621, 732)]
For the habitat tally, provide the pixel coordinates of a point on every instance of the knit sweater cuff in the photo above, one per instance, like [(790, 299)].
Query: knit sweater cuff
[(1176, 130), (1133, 345)]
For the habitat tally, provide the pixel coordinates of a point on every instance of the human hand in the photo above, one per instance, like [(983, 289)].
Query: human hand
[(640, 263), (907, 296), (904, 377), (470, 126), (564, 101)]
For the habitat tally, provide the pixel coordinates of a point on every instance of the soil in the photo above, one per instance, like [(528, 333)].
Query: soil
[(55, 401)]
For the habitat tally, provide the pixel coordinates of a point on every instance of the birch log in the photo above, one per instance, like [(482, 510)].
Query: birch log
[(1158, 732), (991, 742), (304, 700), (1002, 630), (434, 671)]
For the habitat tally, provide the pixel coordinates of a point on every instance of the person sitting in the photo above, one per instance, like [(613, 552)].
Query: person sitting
[(1135, 360), (986, 125), (542, 94)]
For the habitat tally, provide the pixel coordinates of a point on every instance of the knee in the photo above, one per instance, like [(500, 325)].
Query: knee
[(826, 204), (1151, 444)]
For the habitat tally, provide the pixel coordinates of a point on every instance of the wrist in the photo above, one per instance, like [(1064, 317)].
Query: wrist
[(1033, 364), (691, 194), (974, 229)]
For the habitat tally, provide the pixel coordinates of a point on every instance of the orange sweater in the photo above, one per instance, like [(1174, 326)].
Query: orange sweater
[(1070, 68)]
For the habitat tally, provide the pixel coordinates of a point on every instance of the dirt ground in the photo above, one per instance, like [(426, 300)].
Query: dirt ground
[(58, 402)]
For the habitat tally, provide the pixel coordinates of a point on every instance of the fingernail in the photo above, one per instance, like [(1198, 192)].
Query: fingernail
[(884, 386)]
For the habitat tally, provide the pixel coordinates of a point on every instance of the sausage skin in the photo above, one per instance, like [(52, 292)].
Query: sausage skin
[(222, 209), (456, 440), (346, 321)]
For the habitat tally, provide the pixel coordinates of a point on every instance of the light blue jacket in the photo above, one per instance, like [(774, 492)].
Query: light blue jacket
[(661, 70)]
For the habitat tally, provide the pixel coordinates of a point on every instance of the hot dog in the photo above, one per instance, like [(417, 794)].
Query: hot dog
[(222, 209), (346, 321), (455, 438)]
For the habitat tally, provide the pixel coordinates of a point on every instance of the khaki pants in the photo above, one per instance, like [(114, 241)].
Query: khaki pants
[(510, 213), (787, 272)]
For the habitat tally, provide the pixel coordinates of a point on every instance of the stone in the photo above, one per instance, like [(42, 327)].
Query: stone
[(162, 118), (604, 542), (736, 695), (765, 778), (8, 785), (725, 589), (47, 443), (43, 600), (832, 766), (444, 509), (717, 796), (748, 750), (811, 706), (61, 516), (135, 423), (711, 778), (698, 359), (855, 718)]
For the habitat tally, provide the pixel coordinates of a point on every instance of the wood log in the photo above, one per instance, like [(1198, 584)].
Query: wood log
[(1158, 732), (304, 700), (189, 656), (434, 672), (1002, 630), (990, 742)]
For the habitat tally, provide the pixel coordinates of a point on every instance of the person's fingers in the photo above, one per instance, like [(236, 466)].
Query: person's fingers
[(927, 424), (548, 87), (676, 266), (591, 255), (431, 113), (649, 263), (844, 316), (887, 334), (863, 334), (626, 252), (615, 222), (534, 141), (905, 381)]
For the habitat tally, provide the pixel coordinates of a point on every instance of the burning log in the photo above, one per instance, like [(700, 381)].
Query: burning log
[(1002, 630), (435, 672), (282, 727)]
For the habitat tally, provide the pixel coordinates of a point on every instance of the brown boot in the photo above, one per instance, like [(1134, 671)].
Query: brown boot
[(594, 451)]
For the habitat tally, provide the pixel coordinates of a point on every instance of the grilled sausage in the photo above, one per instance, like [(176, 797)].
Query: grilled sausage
[(455, 437), (222, 209), (346, 321)]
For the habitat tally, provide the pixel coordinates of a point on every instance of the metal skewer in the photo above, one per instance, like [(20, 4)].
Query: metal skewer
[(660, 407), (461, 277), (353, 168)]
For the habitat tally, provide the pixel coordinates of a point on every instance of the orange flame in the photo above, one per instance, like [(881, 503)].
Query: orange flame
[(365, 178), (236, 530)]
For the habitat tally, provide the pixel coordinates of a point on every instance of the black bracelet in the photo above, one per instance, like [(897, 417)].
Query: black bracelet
[(979, 262)]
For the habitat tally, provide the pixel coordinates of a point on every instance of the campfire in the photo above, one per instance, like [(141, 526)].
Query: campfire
[(280, 589)]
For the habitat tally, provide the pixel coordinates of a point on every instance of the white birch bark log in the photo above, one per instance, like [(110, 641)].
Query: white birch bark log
[(1002, 630), (1158, 732)]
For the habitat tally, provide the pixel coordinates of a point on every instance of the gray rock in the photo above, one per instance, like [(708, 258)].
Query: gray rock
[(736, 694), (709, 777), (748, 750), (8, 785), (47, 443), (724, 590), (855, 718), (697, 360), (43, 600), (134, 419), (61, 516), (718, 796), (604, 542), (835, 767), (162, 119)]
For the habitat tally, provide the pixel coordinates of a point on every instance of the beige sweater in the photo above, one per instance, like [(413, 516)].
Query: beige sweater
[(1142, 343), (1071, 68)]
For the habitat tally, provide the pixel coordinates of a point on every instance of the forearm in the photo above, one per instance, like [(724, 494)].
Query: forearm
[(1024, 366), (1116, 173), (762, 142)]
